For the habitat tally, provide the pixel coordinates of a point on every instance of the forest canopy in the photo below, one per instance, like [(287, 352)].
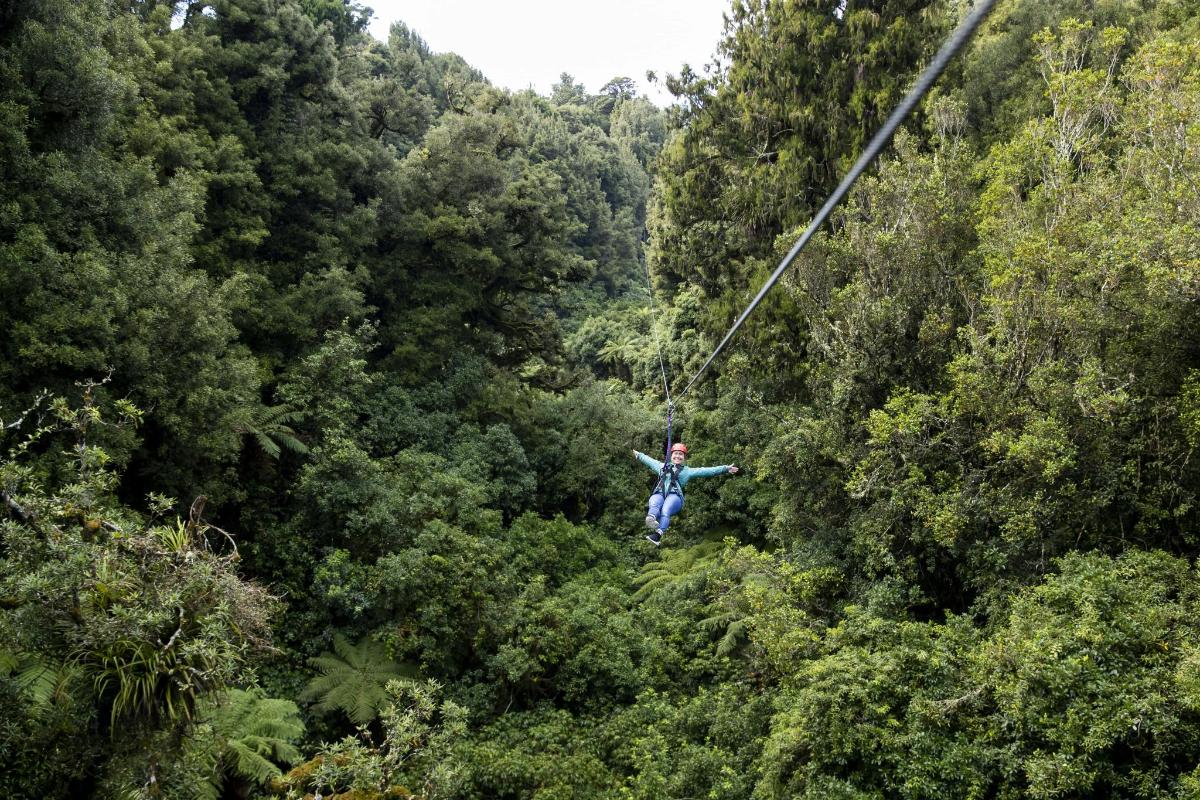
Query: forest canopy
[(322, 358)]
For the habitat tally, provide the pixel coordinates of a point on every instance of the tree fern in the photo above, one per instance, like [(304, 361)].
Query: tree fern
[(679, 565), (238, 739), (42, 681), (682, 565), (353, 679), (619, 354), (718, 621), (271, 430), (730, 614), (735, 630), (255, 735)]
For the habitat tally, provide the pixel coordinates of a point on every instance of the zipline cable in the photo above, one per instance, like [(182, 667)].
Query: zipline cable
[(880, 140), (661, 364), (654, 329)]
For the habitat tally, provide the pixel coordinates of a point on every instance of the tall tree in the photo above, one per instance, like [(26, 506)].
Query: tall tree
[(796, 88)]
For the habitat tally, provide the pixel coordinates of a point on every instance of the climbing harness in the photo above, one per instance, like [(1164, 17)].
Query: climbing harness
[(668, 480)]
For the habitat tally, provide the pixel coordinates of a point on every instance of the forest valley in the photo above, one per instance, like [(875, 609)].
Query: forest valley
[(322, 358)]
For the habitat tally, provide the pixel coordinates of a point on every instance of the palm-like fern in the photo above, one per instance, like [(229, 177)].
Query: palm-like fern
[(43, 682), (679, 565), (255, 733), (270, 427), (682, 565), (734, 623), (619, 354), (730, 614), (353, 679)]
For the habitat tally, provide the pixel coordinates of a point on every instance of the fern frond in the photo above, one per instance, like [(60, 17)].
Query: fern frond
[(43, 682), (271, 431), (651, 571), (249, 761), (255, 735), (732, 638), (267, 444), (649, 586), (678, 566), (353, 679), (38, 680), (716, 621), (287, 438), (279, 415), (352, 655)]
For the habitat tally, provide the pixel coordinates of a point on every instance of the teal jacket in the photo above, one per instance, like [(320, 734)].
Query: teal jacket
[(686, 473)]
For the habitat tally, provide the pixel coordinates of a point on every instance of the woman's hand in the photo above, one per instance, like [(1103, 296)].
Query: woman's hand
[(635, 453), (733, 469)]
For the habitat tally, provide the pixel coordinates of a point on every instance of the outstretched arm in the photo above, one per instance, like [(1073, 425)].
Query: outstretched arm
[(704, 472), (656, 466)]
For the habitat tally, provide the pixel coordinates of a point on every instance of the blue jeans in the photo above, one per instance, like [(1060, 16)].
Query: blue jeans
[(663, 509)]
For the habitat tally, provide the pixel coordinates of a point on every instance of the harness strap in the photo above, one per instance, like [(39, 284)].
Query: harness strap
[(670, 415), (672, 472), (668, 469)]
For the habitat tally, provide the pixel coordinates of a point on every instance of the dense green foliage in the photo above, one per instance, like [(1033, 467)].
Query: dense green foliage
[(321, 360)]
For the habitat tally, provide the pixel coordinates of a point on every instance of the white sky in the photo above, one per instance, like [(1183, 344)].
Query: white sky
[(518, 44)]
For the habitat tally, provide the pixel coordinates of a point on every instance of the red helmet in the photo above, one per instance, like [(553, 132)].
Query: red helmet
[(679, 447)]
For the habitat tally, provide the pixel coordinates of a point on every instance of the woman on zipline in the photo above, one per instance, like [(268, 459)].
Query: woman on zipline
[(667, 498)]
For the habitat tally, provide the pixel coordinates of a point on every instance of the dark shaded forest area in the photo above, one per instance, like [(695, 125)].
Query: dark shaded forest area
[(322, 358)]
